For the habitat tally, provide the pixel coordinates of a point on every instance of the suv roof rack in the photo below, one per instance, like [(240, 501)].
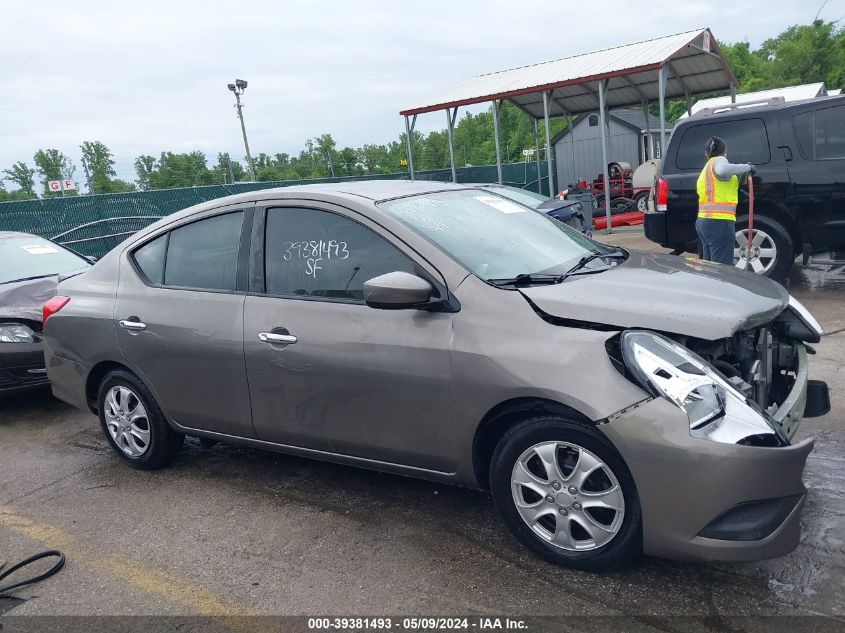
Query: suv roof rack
[(745, 104)]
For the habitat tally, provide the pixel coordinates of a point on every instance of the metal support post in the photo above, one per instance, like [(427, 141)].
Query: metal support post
[(647, 151), (450, 120), (537, 149), (733, 93), (689, 102), (243, 130), (409, 129), (546, 95), (571, 131), (662, 76), (496, 135), (603, 132)]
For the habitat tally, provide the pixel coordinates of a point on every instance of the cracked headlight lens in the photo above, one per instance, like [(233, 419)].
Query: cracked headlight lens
[(716, 409), (16, 333)]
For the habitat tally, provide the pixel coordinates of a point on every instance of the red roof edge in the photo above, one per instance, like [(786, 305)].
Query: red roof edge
[(523, 91)]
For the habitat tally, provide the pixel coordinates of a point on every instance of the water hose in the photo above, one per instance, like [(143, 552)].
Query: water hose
[(30, 581), (750, 220)]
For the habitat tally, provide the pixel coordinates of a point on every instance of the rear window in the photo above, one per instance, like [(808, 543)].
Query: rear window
[(28, 257), (747, 143), (821, 133)]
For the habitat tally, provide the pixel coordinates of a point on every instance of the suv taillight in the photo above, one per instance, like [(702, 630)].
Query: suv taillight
[(661, 196), (52, 306)]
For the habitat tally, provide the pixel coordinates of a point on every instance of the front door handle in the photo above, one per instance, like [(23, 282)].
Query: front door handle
[(277, 339), (134, 326)]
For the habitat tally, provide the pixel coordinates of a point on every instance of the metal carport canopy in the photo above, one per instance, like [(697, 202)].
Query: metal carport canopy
[(674, 66)]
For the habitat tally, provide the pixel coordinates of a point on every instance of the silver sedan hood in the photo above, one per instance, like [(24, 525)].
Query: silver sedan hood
[(667, 293)]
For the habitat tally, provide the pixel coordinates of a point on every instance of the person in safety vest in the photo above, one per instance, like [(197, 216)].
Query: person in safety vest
[(718, 192)]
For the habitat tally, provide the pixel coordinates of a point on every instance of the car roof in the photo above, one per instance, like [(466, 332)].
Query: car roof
[(367, 192), (755, 111), (375, 190)]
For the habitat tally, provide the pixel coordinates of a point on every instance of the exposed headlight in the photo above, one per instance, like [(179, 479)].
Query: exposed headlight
[(805, 316), (16, 333), (715, 408)]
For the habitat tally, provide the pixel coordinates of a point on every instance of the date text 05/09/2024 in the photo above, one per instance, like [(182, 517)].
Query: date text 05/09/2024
[(421, 623)]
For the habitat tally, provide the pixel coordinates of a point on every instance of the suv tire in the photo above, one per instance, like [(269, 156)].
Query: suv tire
[(133, 422), (776, 234), (558, 515)]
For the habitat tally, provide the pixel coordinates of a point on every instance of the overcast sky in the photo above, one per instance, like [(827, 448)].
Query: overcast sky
[(149, 76)]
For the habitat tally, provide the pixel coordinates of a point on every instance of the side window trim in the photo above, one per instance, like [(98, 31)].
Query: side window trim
[(812, 140), (247, 228), (257, 267)]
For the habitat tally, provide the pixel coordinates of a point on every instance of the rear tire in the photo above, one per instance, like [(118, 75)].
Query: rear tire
[(555, 505), (772, 236), (133, 423)]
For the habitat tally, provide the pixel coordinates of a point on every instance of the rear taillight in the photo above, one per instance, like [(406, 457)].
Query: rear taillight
[(52, 306), (661, 196)]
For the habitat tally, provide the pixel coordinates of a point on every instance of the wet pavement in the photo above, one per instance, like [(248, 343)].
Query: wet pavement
[(236, 531)]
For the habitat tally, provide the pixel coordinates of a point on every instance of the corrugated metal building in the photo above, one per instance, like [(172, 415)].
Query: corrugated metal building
[(630, 139)]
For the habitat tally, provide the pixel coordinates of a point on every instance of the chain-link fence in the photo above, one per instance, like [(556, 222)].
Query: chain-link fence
[(93, 225)]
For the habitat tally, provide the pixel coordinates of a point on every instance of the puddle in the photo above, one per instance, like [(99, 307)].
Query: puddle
[(816, 278)]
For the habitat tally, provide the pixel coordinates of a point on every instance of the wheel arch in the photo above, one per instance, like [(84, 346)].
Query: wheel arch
[(95, 377), (504, 416)]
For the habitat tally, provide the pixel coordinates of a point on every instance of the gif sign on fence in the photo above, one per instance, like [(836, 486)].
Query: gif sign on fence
[(61, 185)]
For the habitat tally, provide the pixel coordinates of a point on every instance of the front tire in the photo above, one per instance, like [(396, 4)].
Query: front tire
[(133, 423), (566, 494)]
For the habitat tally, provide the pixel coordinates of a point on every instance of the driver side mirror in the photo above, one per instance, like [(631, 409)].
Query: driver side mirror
[(397, 291)]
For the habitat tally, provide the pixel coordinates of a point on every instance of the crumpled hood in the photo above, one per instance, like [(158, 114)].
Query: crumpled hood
[(25, 299), (681, 295)]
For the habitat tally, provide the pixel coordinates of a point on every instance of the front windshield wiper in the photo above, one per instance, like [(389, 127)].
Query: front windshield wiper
[(11, 281), (528, 279), (617, 254)]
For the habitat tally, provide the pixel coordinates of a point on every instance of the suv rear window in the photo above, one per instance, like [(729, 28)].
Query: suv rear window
[(821, 133), (747, 143)]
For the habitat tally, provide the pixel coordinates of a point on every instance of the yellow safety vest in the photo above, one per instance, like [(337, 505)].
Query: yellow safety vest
[(716, 199)]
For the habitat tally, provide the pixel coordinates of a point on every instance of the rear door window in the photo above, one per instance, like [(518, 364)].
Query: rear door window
[(747, 142), (313, 253), (821, 133), (204, 254)]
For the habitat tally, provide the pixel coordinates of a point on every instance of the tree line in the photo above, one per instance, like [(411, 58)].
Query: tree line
[(800, 54)]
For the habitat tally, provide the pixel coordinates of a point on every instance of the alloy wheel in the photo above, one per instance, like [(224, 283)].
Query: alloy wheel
[(568, 496), (127, 421), (762, 255), (642, 204)]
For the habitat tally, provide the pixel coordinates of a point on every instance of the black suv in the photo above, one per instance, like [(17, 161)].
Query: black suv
[(799, 188)]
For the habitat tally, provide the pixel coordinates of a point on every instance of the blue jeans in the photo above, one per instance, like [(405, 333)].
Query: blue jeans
[(716, 240)]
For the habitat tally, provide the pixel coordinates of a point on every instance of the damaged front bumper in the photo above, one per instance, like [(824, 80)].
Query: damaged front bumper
[(708, 500), (717, 496)]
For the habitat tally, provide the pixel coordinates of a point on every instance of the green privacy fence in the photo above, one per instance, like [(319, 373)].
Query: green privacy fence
[(93, 225)]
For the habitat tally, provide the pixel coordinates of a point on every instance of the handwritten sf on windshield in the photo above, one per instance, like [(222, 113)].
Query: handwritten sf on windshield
[(312, 252)]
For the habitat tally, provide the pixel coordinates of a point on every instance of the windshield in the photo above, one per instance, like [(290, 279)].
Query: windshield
[(27, 256), (528, 198), (491, 236)]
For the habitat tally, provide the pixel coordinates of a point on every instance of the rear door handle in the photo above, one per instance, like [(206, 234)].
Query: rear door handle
[(277, 339), (134, 326)]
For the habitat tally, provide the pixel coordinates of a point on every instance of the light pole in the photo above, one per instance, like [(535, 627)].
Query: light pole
[(238, 88)]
